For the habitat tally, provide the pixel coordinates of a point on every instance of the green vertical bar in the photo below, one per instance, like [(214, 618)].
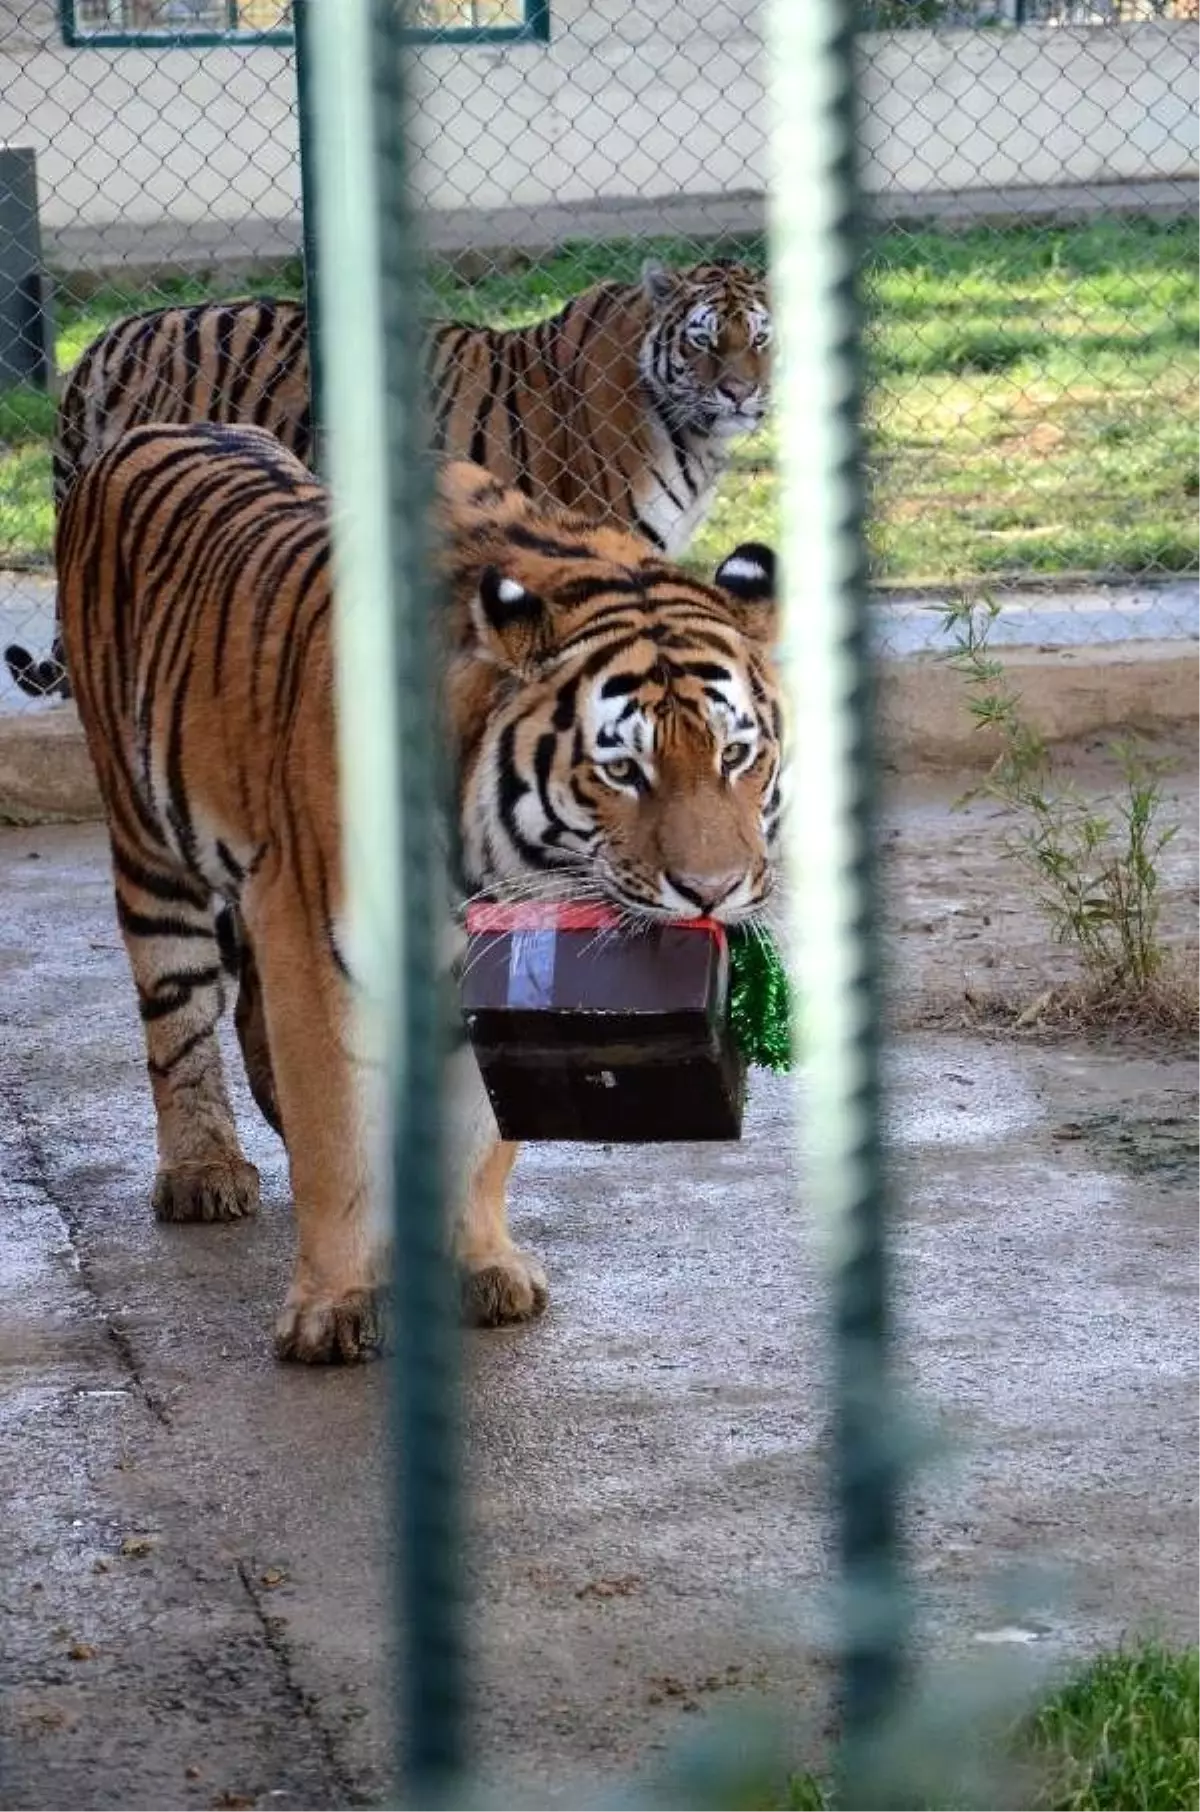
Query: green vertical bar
[(816, 227), (429, 1333), (308, 208), (389, 740)]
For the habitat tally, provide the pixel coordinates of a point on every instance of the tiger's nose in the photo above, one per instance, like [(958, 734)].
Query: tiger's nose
[(704, 892), (737, 390)]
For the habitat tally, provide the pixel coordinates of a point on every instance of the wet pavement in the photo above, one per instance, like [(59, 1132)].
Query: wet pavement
[(197, 1608)]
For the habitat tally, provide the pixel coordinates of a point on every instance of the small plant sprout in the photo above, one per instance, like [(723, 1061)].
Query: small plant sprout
[(1094, 863)]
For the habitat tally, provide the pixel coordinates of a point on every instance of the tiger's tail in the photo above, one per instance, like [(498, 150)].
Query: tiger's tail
[(46, 678)]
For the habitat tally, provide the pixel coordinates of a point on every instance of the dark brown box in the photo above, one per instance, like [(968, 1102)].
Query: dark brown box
[(585, 1030)]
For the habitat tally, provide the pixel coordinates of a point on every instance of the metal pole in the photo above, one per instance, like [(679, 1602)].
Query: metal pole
[(308, 209), (389, 740), (428, 1347), (815, 221)]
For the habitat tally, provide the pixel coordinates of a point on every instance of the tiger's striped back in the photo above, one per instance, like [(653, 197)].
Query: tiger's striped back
[(239, 361), (242, 361)]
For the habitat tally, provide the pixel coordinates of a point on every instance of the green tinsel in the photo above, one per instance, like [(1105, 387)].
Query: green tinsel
[(759, 1004)]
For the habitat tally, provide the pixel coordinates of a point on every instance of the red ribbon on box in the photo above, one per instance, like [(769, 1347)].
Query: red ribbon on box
[(546, 915)]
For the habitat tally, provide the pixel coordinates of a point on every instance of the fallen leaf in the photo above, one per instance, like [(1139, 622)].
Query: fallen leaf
[(610, 1588), (134, 1547), (274, 1576), (81, 1651)]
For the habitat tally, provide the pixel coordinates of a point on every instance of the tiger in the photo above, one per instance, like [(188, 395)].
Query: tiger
[(239, 361), (623, 405), (614, 734)]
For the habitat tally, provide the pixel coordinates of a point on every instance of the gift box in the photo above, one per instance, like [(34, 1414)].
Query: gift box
[(588, 1029)]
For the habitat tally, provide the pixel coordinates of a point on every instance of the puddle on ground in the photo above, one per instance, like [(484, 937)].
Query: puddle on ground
[(1166, 1147)]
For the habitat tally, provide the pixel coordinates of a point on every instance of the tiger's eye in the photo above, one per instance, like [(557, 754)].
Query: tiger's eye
[(622, 773), (733, 755)]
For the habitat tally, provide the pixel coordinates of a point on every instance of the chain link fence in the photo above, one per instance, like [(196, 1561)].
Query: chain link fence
[(1031, 166)]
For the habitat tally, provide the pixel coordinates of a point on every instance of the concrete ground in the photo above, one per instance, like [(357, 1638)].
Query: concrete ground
[(197, 1609)]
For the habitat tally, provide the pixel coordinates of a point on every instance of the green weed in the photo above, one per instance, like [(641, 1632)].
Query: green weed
[(1094, 865)]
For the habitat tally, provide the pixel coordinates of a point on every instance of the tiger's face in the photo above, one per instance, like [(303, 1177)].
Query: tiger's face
[(707, 354), (633, 749)]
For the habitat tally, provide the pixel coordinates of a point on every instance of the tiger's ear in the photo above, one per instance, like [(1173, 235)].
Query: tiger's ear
[(511, 621), (747, 576), (658, 282)]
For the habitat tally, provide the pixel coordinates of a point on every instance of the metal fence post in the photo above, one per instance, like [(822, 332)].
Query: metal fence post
[(308, 207), (815, 220), (388, 740), (26, 340)]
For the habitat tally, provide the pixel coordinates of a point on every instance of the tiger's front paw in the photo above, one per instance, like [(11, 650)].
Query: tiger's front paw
[(344, 1330), (502, 1287), (223, 1189)]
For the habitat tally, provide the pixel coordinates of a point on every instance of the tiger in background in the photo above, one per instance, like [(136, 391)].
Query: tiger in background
[(241, 361), (615, 732), (623, 405)]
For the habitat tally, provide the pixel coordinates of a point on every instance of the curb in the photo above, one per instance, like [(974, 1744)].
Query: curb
[(46, 775), (1065, 693)]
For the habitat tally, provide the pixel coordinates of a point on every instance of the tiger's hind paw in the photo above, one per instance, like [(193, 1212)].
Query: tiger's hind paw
[(348, 1330), (225, 1189), (510, 1286)]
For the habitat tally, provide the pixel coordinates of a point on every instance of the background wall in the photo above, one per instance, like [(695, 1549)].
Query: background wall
[(623, 103)]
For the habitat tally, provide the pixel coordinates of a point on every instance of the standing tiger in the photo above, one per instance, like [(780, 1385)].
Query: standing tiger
[(615, 732), (622, 406)]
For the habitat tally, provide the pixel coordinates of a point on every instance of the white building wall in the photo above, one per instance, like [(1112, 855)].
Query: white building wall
[(631, 98)]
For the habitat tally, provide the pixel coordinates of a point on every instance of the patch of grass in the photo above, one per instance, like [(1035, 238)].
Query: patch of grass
[(1121, 1733), (1118, 1732), (1034, 399), (25, 414), (805, 1794), (26, 513), (1031, 408)]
